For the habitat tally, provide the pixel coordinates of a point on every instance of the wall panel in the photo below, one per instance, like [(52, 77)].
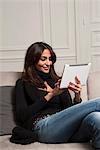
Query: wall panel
[(22, 23), (88, 32), (27, 21), (95, 34)]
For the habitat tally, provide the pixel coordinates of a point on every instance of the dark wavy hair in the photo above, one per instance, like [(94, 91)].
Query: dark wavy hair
[(32, 57)]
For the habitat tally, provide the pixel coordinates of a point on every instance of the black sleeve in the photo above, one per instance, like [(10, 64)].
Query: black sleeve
[(23, 110), (66, 100), (75, 102)]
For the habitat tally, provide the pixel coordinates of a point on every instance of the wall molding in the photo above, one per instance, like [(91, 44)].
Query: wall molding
[(20, 53), (95, 38), (94, 11), (21, 59), (16, 64)]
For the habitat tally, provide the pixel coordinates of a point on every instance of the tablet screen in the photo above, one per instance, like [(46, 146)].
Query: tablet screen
[(70, 71)]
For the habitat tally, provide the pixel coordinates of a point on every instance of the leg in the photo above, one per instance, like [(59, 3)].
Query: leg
[(58, 128), (89, 130)]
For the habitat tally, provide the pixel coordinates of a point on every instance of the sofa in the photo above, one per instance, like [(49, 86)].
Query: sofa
[(7, 121)]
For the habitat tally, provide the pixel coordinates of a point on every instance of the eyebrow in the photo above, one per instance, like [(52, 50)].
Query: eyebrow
[(45, 57)]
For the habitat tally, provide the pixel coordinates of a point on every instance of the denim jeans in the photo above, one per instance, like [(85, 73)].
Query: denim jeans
[(78, 123)]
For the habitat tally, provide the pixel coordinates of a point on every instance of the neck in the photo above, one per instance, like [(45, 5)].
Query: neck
[(43, 75)]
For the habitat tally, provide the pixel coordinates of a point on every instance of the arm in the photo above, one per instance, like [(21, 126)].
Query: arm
[(65, 97), (23, 110), (66, 100), (76, 88)]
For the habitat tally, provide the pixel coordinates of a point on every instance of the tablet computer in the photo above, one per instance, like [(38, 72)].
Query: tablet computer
[(70, 71)]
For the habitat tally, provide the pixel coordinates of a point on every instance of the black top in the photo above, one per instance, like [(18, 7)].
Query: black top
[(31, 104), (30, 101)]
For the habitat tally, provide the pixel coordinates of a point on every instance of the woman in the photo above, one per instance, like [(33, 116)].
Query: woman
[(48, 111)]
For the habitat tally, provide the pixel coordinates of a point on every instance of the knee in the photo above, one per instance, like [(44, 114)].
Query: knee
[(93, 120)]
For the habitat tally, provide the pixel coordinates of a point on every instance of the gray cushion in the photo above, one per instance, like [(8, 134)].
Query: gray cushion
[(6, 109)]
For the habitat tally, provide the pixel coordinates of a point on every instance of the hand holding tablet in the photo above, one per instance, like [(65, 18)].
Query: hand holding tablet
[(71, 71)]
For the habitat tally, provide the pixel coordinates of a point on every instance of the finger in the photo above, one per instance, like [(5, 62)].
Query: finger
[(77, 80), (76, 85), (59, 80), (45, 83), (58, 83), (75, 89), (72, 84)]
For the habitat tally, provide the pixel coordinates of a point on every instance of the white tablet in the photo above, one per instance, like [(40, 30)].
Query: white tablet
[(70, 71)]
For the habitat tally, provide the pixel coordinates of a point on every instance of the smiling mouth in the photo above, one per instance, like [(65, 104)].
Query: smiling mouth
[(46, 68)]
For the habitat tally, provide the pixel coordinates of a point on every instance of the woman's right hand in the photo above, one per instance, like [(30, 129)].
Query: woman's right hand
[(53, 92)]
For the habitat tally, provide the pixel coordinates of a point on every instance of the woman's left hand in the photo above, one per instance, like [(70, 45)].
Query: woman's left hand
[(76, 88)]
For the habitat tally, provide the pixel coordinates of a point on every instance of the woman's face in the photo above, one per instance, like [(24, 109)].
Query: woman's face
[(44, 62)]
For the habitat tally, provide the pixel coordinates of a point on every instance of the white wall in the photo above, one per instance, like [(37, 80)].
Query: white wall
[(71, 27), (88, 32)]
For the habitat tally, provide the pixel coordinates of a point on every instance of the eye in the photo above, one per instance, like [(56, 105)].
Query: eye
[(43, 58), (50, 58)]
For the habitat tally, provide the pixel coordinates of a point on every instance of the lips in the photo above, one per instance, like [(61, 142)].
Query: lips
[(46, 68)]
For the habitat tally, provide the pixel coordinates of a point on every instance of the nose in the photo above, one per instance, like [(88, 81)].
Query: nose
[(48, 62)]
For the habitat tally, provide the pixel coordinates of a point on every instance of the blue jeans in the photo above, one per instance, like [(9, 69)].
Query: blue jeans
[(79, 123)]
